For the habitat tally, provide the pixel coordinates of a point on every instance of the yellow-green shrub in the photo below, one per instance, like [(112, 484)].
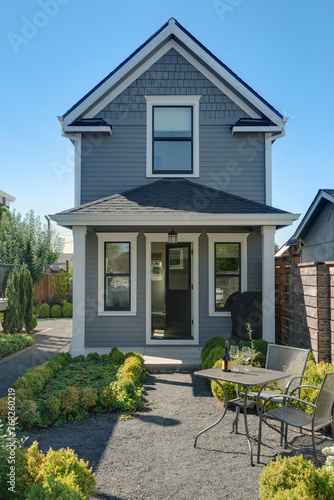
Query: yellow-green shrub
[(107, 396), (69, 400), (295, 478), (132, 365), (315, 374), (218, 392)]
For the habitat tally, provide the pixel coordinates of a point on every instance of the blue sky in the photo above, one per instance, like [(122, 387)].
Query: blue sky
[(54, 51)]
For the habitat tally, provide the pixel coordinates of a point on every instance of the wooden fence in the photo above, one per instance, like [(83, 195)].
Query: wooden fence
[(44, 289), (304, 309)]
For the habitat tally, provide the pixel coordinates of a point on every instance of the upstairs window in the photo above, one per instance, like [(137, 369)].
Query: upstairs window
[(172, 136), (172, 139)]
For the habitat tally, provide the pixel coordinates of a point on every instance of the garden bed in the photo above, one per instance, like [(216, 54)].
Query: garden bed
[(12, 343), (67, 389)]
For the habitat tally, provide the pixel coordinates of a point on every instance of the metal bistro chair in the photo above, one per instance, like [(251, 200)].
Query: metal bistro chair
[(287, 359), (321, 417)]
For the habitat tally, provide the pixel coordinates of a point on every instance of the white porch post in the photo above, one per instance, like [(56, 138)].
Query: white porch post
[(78, 288), (268, 283)]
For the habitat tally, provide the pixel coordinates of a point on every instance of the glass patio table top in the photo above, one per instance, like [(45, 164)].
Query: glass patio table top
[(253, 377)]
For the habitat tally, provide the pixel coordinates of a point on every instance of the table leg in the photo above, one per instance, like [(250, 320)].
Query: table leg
[(220, 419), (246, 426)]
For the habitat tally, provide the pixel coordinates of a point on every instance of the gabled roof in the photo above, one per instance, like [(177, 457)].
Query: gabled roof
[(173, 199), (172, 35), (321, 198)]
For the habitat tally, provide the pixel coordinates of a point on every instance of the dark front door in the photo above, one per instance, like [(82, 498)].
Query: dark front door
[(178, 291)]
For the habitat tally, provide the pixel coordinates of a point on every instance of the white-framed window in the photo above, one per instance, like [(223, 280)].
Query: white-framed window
[(172, 136), (117, 274), (227, 270)]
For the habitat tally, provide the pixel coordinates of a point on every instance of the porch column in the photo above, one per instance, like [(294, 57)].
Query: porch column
[(268, 283), (78, 289)]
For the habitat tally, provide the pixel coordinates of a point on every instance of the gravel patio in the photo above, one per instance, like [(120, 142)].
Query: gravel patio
[(151, 456)]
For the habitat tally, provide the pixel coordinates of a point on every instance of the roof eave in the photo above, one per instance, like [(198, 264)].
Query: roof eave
[(321, 195), (187, 219)]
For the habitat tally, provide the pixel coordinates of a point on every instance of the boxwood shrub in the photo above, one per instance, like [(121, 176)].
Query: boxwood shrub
[(67, 310), (44, 311), (55, 311)]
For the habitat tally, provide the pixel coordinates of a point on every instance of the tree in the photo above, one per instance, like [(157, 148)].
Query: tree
[(20, 299), (28, 241)]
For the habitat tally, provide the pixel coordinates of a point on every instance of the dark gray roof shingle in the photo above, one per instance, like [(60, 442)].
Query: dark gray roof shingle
[(172, 196)]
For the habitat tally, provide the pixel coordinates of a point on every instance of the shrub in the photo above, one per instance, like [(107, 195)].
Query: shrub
[(214, 354), (67, 310), (69, 400), (315, 374), (117, 356), (28, 414), (132, 365), (13, 343), (33, 323), (295, 478), (44, 311), (56, 311), (107, 397), (53, 405), (4, 407), (54, 476), (34, 310), (88, 397), (93, 356), (210, 344)]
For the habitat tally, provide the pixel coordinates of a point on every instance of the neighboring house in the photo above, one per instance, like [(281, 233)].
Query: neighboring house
[(172, 141), (6, 199), (313, 239), (63, 264)]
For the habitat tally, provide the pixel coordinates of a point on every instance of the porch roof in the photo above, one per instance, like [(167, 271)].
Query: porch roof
[(173, 199)]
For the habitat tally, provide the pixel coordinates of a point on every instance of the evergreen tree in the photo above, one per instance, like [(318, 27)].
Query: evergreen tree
[(27, 241)]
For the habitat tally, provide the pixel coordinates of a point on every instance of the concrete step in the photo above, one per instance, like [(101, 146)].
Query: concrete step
[(163, 358)]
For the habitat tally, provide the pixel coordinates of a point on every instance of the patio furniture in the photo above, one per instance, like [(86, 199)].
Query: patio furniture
[(290, 360), (255, 376), (288, 415)]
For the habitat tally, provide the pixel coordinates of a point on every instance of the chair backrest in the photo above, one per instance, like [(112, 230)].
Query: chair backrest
[(287, 359), (325, 400)]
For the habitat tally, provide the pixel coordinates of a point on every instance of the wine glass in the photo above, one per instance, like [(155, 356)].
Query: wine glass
[(234, 353), (246, 354)]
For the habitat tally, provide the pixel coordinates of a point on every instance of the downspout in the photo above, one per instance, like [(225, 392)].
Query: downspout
[(270, 138)]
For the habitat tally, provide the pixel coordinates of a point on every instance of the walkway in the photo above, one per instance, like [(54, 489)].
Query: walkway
[(52, 336)]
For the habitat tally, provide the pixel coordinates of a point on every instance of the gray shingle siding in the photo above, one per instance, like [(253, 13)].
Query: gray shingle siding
[(113, 164), (131, 331)]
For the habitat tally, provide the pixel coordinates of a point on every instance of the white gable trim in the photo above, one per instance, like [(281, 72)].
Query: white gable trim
[(157, 41)]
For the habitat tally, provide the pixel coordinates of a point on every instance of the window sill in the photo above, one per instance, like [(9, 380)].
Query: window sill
[(171, 176), (117, 313), (226, 314)]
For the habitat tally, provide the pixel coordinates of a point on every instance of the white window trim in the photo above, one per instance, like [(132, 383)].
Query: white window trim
[(117, 237), (225, 238), (172, 100), (182, 238)]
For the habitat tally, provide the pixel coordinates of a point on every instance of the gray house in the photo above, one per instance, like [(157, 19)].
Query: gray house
[(173, 215), (313, 239)]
